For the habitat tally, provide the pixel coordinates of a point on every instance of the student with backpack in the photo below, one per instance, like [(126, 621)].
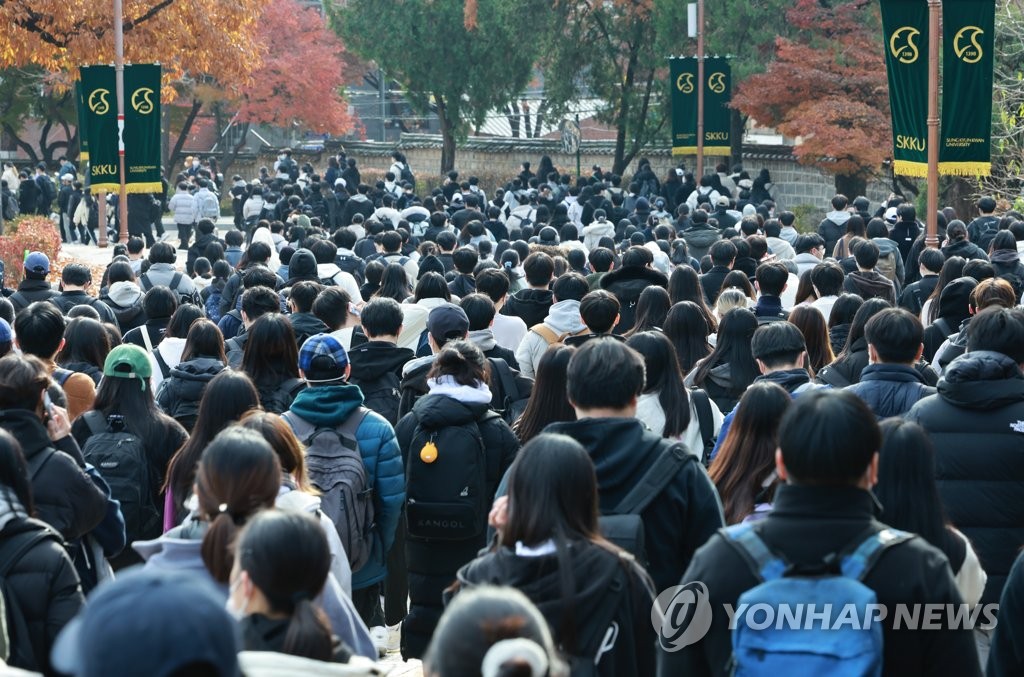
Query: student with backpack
[(201, 360), (131, 442), (377, 364), (354, 460), (270, 358), (455, 451), (39, 589), (563, 320), (550, 548), (828, 459)]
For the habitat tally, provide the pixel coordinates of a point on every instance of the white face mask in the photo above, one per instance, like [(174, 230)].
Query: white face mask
[(238, 613), (195, 163)]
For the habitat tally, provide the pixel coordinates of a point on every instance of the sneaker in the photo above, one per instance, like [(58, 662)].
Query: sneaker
[(394, 637), (379, 637)]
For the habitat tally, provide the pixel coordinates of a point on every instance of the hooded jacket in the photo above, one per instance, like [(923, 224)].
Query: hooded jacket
[(676, 523), (953, 310), (65, 497), (847, 369), (593, 233), (890, 389), (1008, 266), (198, 249), (976, 423), (870, 284), (627, 284), (833, 227), (563, 318), (529, 305), (462, 285), (699, 237), (432, 565), (43, 582), (488, 345), (180, 393), (964, 248), (718, 385), (330, 406), (593, 570), (806, 524), (30, 291), (69, 299), (125, 301), (305, 325)]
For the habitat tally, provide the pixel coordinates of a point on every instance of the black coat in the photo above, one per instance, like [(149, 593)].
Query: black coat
[(46, 588), (847, 369), (432, 565), (806, 524), (890, 389), (915, 294), (180, 393), (65, 496), (711, 283), (676, 523), (627, 284), (975, 423), (593, 570), (529, 305), (1006, 654), (30, 291), (128, 317)]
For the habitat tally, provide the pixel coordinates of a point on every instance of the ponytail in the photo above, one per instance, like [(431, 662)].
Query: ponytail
[(309, 633)]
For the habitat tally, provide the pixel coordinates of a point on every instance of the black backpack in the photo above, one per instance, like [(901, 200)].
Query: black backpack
[(280, 400), (10, 207), (508, 401), (623, 526), (446, 482), (336, 468), (706, 421), (47, 191), (120, 456), (382, 395), (407, 175), (21, 652)]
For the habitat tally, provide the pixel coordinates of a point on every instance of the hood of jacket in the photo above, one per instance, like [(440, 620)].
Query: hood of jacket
[(564, 316), (373, 359), (618, 447), (1005, 257), (954, 300), (125, 294), (881, 371), (198, 369), (838, 217), (634, 275), (600, 229), (434, 411), (483, 339), (871, 281), (964, 248), (25, 427), (701, 235), (532, 297), (790, 379), (327, 405), (982, 380)]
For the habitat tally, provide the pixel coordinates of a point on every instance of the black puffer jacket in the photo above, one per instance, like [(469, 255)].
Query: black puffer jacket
[(627, 284), (594, 570), (976, 422), (180, 393), (847, 369), (44, 585), (890, 389), (65, 497), (432, 565)]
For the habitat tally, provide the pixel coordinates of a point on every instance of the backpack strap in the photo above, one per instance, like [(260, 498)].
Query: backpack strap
[(147, 340), (763, 563), (500, 368), (547, 333), (654, 481), (352, 423), (175, 281), (19, 545), (36, 463), (858, 563), (943, 326), (165, 369), (96, 421), (145, 282), (705, 419), (291, 387)]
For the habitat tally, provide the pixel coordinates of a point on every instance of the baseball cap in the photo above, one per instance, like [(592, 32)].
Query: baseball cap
[(149, 622), (128, 361), (323, 359), (37, 262), (6, 334), (339, 182), (723, 201), (891, 216), (447, 322)]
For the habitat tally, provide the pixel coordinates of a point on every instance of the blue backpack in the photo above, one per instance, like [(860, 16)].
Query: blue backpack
[(213, 304), (834, 643)]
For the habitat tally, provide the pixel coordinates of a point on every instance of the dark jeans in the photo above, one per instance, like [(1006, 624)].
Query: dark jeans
[(396, 585), (367, 604), (184, 235)]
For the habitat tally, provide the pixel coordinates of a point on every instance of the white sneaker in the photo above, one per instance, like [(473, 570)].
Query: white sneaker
[(395, 637), (379, 637)]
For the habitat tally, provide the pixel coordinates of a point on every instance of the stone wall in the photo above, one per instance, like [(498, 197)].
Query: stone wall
[(806, 190)]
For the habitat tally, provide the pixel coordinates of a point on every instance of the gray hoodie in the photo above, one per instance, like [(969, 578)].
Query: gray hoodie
[(563, 318)]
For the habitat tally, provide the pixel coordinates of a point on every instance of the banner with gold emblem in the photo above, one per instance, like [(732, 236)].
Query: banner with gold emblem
[(905, 25), (968, 32), (717, 95), (100, 126)]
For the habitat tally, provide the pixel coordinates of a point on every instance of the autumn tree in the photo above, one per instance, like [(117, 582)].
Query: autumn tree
[(827, 87), (28, 94), (460, 73)]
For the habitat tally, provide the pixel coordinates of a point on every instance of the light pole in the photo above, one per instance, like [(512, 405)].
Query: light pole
[(122, 202), (700, 90), (932, 224)]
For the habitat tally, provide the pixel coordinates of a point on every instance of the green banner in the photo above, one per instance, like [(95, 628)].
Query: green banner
[(717, 96), (83, 138), (905, 26), (142, 128), (100, 108), (968, 33)]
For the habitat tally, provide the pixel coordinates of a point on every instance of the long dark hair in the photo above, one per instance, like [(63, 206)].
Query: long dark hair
[(651, 310), (126, 397), (204, 340), (85, 340), (548, 401), (733, 348), (747, 456), (270, 355), (287, 558), (737, 279), (684, 285), (844, 310), (228, 396), (183, 319), (952, 268), (811, 324), (238, 475), (906, 484), (867, 310), (687, 329), (431, 285), (394, 284), (664, 378), (14, 473)]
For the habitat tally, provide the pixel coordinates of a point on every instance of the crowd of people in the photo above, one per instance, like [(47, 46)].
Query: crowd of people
[(488, 430)]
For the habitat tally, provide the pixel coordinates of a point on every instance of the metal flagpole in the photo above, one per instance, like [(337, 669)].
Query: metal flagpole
[(700, 89), (932, 224), (122, 204)]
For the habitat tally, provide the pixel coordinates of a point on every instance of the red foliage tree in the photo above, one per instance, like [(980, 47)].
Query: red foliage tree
[(828, 87)]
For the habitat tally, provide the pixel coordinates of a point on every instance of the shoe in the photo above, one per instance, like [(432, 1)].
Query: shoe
[(394, 637), (379, 637)]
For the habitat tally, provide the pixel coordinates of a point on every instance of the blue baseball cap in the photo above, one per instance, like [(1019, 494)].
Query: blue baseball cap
[(323, 359), (149, 622), (6, 333), (37, 262)]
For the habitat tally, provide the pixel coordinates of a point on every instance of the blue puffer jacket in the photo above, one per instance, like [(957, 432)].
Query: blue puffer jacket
[(890, 389), (330, 406)]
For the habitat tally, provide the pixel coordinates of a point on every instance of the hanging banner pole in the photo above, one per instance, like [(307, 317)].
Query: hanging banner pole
[(122, 202), (700, 90), (932, 223)]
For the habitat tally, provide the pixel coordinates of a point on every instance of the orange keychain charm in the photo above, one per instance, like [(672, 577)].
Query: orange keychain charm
[(428, 454)]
